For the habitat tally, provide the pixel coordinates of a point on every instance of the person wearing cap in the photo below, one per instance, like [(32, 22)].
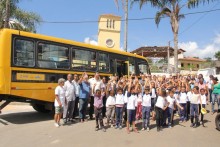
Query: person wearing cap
[(215, 94)]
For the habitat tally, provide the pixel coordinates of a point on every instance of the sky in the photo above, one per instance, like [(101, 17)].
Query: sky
[(199, 34)]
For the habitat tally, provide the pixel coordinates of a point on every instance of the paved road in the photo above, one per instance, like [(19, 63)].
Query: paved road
[(21, 126)]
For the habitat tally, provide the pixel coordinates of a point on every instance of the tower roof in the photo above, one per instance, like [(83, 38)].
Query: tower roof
[(110, 16)]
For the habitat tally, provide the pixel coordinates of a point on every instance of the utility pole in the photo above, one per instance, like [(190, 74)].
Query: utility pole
[(168, 57), (7, 15), (126, 26)]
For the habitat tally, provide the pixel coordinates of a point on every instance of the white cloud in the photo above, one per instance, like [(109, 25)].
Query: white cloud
[(194, 50), (90, 41)]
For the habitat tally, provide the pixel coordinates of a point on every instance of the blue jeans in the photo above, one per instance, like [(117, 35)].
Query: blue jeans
[(183, 112), (194, 110), (210, 95), (170, 115), (82, 107), (119, 112), (215, 97), (146, 116)]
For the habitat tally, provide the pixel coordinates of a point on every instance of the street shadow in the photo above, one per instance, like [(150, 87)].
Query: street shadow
[(24, 117)]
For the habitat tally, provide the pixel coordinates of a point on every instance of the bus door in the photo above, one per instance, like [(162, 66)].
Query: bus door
[(122, 68)]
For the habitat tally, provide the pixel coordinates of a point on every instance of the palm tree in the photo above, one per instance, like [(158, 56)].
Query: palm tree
[(172, 10), (217, 55), (11, 16), (125, 4)]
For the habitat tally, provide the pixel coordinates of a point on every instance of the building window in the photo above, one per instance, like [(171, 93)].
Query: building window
[(197, 65), (113, 25), (182, 64), (110, 23), (84, 60), (188, 64), (24, 53), (53, 56), (107, 22)]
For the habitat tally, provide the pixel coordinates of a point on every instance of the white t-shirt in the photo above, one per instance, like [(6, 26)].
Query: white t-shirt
[(60, 92), (203, 99), (209, 83), (132, 101), (110, 101), (195, 98), (119, 99), (146, 101), (69, 91), (183, 97), (189, 95), (176, 96), (98, 83), (171, 101), (160, 102)]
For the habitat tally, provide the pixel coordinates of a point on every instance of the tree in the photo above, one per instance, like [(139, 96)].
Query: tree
[(208, 59), (125, 4), (11, 16), (172, 10), (217, 55)]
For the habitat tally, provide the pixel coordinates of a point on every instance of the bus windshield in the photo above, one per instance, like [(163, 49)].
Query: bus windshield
[(143, 66)]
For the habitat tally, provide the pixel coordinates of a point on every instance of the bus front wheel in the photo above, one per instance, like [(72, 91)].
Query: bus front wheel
[(217, 121), (40, 108)]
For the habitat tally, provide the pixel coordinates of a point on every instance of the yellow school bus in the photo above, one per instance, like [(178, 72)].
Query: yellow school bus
[(31, 64)]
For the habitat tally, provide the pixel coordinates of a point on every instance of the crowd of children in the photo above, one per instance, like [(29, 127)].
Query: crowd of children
[(151, 98)]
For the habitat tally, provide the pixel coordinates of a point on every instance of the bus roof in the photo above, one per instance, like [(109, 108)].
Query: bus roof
[(65, 41)]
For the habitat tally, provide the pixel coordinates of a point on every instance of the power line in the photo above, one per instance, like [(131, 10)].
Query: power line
[(131, 19)]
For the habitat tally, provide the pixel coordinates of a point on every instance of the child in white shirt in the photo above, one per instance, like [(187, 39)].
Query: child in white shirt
[(182, 102), (110, 105), (131, 102), (119, 104), (204, 100), (194, 106), (146, 107), (172, 102), (160, 106)]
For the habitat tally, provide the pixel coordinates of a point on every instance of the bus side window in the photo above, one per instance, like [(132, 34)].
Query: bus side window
[(53, 56), (103, 62), (24, 53), (84, 60)]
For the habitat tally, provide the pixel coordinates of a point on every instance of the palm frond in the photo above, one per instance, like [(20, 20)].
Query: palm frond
[(154, 3), (28, 19), (162, 13), (196, 3)]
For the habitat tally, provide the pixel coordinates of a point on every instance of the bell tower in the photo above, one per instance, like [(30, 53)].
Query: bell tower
[(109, 31)]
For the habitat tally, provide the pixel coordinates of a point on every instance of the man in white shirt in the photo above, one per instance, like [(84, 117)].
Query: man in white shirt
[(77, 88), (96, 80), (70, 98)]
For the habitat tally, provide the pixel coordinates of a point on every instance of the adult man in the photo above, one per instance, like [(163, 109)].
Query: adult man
[(77, 88), (70, 99), (84, 94), (96, 80)]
